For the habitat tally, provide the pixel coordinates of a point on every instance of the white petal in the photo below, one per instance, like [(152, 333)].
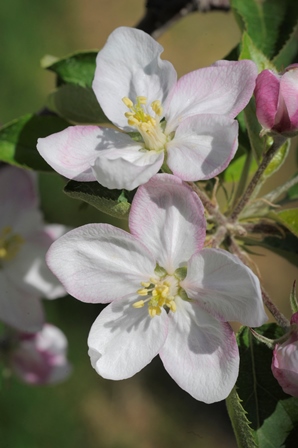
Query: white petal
[(29, 272), (18, 308), (18, 195), (203, 147), (169, 218), (129, 65), (200, 353), (126, 168), (224, 88), (225, 287), (72, 151), (124, 339), (99, 263)]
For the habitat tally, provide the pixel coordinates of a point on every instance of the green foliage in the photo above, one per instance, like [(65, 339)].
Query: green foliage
[(243, 432), (269, 23), (277, 161), (113, 202), (289, 218), (257, 143), (250, 51), (76, 104), (292, 193), (18, 140), (272, 413), (76, 69)]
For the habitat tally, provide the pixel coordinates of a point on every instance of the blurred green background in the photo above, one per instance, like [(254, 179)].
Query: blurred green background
[(149, 410)]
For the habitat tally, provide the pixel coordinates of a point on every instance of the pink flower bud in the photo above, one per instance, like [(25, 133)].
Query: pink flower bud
[(40, 358), (277, 100), (285, 362)]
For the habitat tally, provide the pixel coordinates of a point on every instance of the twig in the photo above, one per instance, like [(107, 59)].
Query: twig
[(278, 142)]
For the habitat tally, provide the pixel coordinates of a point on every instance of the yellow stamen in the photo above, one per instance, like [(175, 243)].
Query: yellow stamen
[(157, 107), (160, 294), (127, 102), (148, 126), (139, 304)]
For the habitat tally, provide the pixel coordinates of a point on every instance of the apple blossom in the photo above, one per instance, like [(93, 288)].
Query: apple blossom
[(24, 240), (277, 100), (40, 358), (185, 126), (168, 295), (285, 361)]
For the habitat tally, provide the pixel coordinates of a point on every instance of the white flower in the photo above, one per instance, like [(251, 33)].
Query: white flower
[(186, 126), (169, 295), (24, 240)]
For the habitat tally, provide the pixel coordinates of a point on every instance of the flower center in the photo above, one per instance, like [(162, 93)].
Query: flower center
[(147, 125), (160, 294), (10, 244)]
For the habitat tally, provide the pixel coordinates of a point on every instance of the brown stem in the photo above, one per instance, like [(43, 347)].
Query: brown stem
[(209, 206), (278, 316), (278, 142)]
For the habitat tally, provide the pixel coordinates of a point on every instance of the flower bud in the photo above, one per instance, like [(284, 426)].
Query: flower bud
[(276, 97), (40, 358), (285, 361)]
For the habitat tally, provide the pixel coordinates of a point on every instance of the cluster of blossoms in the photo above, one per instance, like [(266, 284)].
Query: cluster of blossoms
[(167, 295), (36, 351)]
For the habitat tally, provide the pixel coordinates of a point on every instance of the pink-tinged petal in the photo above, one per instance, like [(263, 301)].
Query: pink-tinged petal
[(224, 88), (127, 168), (289, 92), (40, 358), (124, 339), (203, 147), (285, 365), (17, 195), (168, 217), (72, 151), (129, 65), (29, 272), (200, 353), (18, 308), (225, 287), (266, 95), (99, 263)]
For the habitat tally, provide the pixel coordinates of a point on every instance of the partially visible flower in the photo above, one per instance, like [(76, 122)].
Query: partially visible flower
[(277, 100), (40, 358), (187, 126), (285, 361), (24, 240), (169, 295)]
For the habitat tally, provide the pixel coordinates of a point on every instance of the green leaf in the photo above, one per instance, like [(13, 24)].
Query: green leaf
[(292, 192), (268, 22), (250, 51), (77, 104), (277, 160), (113, 202), (258, 144), (243, 432), (77, 69), (234, 170), (289, 218), (18, 140), (272, 413), (286, 247), (289, 50)]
